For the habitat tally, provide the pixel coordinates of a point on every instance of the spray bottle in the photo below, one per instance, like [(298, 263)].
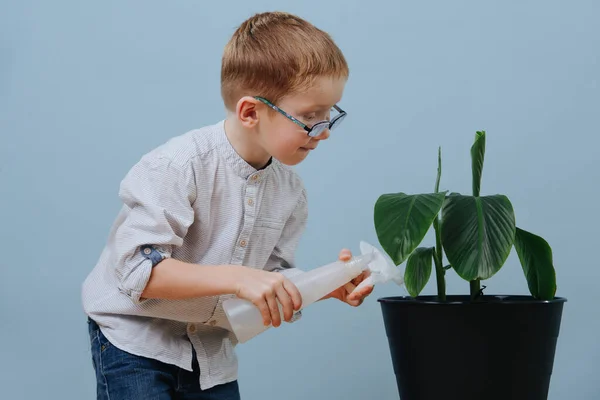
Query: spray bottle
[(246, 320)]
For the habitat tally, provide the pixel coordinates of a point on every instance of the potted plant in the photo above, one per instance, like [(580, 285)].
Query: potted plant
[(472, 346)]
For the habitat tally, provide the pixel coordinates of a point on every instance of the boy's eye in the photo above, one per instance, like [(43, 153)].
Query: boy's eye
[(314, 116)]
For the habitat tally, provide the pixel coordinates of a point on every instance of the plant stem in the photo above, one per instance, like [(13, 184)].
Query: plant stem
[(437, 252), (439, 274), (477, 167), (475, 288), (439, 170), (437, 258)]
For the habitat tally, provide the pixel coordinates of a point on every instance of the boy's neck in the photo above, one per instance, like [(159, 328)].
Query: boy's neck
[(245, 144)]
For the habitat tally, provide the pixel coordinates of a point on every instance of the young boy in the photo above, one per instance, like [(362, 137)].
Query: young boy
[(215, 213)]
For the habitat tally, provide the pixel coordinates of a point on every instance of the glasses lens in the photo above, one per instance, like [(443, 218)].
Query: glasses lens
[(317, 129), (336, 122)]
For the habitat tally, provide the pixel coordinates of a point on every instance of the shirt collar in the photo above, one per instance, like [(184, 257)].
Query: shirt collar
[(231, 156)]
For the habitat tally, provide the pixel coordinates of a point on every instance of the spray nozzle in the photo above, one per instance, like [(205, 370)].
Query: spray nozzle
[(382, 270)]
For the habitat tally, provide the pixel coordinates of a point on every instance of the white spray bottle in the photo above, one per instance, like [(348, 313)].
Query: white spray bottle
[(246, 320)]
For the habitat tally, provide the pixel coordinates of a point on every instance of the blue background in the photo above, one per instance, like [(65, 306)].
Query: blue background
[(86, 88)]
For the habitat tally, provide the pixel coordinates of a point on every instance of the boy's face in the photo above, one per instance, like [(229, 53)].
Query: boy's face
[(289, 142)]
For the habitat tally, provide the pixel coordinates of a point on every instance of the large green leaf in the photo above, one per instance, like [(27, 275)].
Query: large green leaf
[(477, 234), (418, 270), (535, 255), (402, 221), (477, 156)]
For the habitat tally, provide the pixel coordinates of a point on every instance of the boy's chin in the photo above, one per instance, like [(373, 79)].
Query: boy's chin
[(293, 159)]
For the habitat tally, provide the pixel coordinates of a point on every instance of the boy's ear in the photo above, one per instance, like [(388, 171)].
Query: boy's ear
[(246, 111)]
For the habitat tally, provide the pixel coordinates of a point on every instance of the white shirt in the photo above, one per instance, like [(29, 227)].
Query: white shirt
[(194, 199)]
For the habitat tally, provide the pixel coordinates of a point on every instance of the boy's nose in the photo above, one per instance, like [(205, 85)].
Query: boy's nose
[(323, 135)]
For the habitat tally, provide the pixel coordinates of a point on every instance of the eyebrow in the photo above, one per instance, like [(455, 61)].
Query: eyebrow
[(316, 108)]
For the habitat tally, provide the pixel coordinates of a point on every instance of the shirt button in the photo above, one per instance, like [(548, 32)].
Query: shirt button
[(192, 328), (250, 202), (147, 250), (243, 243), (213, 322)]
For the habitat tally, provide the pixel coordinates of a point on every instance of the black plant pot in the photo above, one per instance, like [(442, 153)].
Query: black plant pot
[(501, 347)]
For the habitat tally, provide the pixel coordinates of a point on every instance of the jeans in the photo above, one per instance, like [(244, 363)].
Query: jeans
[(124, 376)]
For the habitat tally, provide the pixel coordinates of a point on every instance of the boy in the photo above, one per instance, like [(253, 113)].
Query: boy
[(212, 214)]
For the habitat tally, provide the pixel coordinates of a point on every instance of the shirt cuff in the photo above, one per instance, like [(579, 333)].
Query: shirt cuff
[(153, 253), (147, 257)]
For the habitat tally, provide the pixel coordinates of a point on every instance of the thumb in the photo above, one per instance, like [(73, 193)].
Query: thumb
[(363, 288), (345, 255)]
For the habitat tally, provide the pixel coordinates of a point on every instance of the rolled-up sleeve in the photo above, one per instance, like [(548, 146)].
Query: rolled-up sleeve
[(157, 194)]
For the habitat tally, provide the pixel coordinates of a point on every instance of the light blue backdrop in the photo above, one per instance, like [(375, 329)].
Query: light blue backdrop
[(86, 88)]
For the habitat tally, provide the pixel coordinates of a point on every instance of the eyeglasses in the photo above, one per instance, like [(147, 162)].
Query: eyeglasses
[(317, 128)]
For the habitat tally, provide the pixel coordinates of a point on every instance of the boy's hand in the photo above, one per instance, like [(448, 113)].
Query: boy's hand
[(264, 289), (347, 293)]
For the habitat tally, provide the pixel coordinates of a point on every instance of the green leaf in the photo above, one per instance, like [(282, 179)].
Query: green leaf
[(402, 221), (535, 255), (418, 270), (477, 234), (477, 156)]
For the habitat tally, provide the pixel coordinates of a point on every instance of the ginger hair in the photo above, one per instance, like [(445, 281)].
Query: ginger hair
[(275, 54)]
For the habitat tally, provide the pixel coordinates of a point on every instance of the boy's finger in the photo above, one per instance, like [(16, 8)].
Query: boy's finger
[(286, 303), (363, 292), (345, 255), (367, 290), (355, 303), (264, 311), (350, 287), (294, 294), (274, 310)]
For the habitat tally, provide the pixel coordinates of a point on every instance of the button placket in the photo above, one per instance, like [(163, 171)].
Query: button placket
[(203, 360), (249, 219), (251, 191)]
